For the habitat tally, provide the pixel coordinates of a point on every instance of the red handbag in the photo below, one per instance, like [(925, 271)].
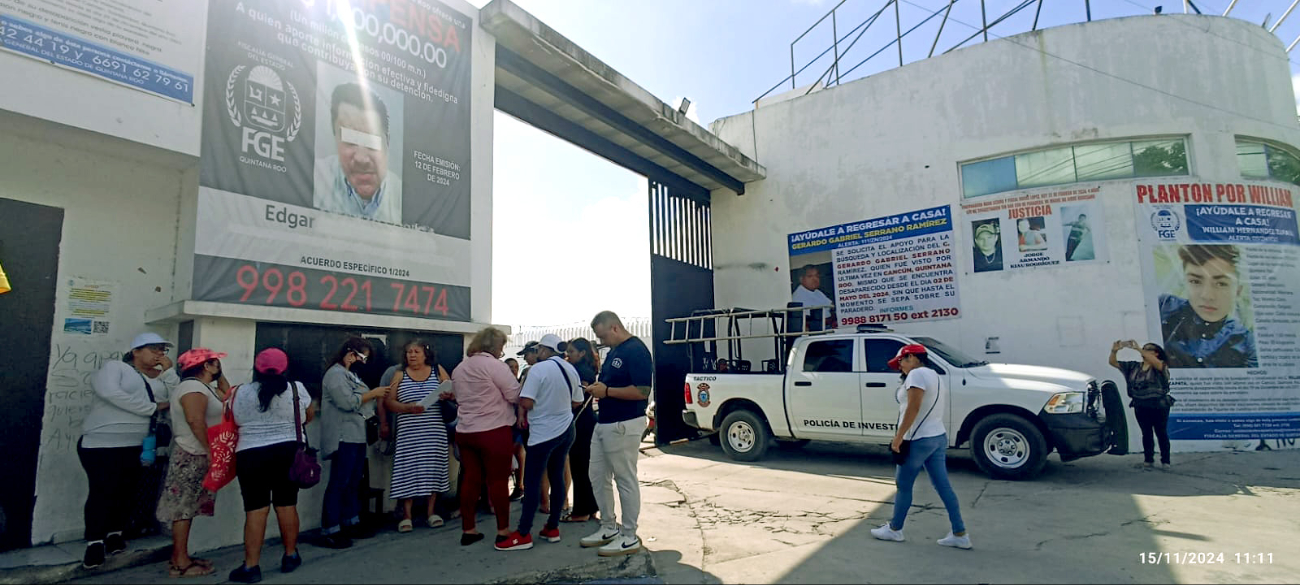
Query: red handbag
[(222, 440)]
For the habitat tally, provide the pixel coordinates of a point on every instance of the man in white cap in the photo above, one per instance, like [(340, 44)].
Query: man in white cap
[(550, 393), (127, 394)]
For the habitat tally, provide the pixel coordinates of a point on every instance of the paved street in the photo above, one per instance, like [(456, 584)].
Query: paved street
[(802, 516)]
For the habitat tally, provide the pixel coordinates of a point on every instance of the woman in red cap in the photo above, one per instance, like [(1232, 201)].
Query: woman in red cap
[(195, 406), (264, 409), (920, 426)]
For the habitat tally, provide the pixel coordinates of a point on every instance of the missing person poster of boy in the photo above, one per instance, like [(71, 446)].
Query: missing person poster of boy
[(1034, 228), (882, 270), (1220, 267)]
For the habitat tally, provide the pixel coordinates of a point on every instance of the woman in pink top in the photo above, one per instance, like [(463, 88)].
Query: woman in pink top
[(487, 394)]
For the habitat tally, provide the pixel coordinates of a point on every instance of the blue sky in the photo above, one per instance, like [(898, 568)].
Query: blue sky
[(570, 228)]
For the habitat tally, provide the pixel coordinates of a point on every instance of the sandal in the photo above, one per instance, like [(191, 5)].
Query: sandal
[(405, 526), (193, 570), (568, 517), (435, 521), (201, 562)]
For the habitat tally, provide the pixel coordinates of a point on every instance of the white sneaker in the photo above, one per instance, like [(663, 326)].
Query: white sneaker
[(601, 537), (886, 532), (962, 542), (624, 545)]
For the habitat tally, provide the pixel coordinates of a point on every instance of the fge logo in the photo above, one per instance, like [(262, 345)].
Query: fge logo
[(263, 100), (1166, 223)]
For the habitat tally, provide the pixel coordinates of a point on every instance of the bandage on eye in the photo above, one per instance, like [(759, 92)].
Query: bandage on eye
[(362, 139)]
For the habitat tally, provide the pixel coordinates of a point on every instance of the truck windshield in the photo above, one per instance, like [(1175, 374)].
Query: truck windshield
[(949, 353)]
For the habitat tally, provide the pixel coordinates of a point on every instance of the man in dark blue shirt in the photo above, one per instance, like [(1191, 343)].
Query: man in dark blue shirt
[(623, 390)]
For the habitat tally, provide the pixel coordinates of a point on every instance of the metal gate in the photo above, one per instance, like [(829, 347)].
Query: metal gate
[(681, 281)]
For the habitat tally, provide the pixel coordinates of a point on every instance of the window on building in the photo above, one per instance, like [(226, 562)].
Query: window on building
[(1099, 162), (1045, 167), (1073, 164), (989, 176), (1258, 160)]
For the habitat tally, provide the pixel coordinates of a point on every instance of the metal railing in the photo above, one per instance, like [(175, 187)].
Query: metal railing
[(841, 45)]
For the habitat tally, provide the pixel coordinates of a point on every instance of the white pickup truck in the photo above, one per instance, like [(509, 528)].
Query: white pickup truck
[(837, 387)]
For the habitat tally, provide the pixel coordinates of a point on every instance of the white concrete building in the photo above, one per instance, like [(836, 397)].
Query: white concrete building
[(904, 140)]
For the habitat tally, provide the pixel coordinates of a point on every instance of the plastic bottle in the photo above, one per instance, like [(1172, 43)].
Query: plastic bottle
[(149, 451)]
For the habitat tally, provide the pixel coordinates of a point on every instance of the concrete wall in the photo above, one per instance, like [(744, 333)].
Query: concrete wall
[(892, 142), (121, 203)]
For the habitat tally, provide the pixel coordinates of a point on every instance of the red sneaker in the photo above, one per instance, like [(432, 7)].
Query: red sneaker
[(515, 542), (550, 534)]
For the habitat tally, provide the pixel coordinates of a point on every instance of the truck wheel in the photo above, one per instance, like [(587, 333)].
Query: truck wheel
[(1006, 446), (715, 439), (744, 436)]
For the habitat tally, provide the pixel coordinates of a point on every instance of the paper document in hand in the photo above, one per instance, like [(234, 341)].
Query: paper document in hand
[(432, 399)]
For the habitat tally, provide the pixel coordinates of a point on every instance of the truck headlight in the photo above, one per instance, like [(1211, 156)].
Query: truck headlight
[(1065, 403)]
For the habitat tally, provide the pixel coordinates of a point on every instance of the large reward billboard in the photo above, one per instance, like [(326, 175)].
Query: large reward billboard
[(335, 170), (1221, 267), (882, 270)]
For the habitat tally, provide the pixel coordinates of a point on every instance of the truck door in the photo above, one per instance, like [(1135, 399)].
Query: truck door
[(823, 398), (879, 389)]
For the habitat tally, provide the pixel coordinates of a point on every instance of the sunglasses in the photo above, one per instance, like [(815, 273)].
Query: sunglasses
[(360, 356)]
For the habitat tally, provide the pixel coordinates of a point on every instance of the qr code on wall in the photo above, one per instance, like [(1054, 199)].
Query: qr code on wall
[(99, 328)]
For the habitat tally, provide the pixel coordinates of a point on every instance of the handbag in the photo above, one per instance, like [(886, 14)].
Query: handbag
[(372, 430), (305, 470), (160, 430), (223, 437), (905, 447)]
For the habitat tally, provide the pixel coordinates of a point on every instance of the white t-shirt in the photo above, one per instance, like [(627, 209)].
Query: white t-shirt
[(811, 298), (259, 429), (181, 432), (554, 394), (926, 425)]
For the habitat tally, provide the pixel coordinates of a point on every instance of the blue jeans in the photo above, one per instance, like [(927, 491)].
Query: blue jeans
[(545, 457), (932, 454), (343, 494)]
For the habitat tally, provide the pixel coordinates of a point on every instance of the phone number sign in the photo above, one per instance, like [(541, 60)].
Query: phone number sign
[(274, 285), (34, 40)]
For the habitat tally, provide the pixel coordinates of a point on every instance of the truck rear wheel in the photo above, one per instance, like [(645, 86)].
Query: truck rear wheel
[(744, 436), (1007, 446)]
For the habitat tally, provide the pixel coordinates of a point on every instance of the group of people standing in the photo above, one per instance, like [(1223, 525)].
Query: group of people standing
[(577, 415)]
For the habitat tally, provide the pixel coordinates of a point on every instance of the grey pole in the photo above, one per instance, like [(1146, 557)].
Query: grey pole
[(898, 30), (1230, 5), (984, 17), (945, 21), (1284, 15), (835, 39)]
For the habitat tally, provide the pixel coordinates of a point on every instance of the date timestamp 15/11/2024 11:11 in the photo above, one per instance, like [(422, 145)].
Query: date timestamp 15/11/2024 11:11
[(1205, 558)]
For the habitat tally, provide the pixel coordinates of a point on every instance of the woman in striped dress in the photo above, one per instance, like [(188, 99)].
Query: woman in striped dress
[(420, 466)]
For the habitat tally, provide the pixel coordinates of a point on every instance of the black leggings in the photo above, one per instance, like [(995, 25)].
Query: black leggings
[(1154, 423), (113, 473)]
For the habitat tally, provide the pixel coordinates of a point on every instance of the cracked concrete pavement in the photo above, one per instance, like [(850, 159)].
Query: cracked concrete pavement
[(802, 516)]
